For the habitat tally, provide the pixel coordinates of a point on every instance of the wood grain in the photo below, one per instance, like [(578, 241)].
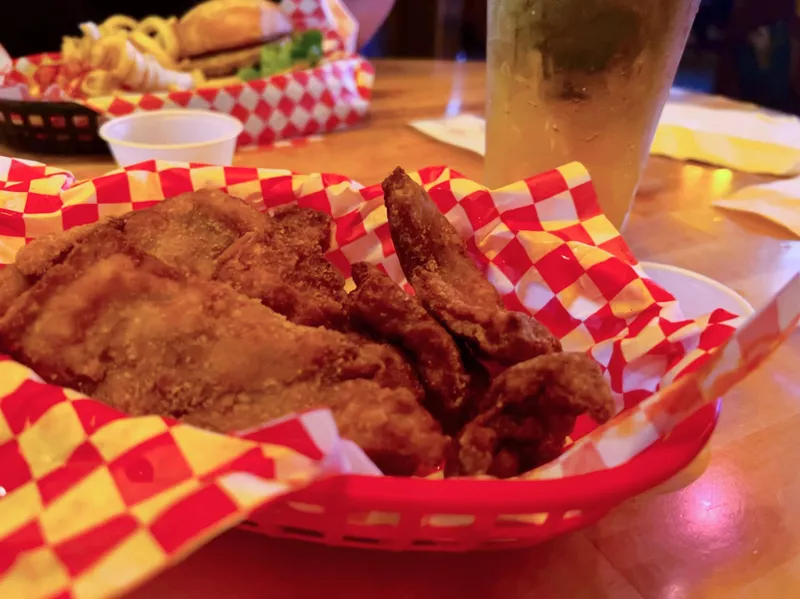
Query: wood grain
[(735, 533)]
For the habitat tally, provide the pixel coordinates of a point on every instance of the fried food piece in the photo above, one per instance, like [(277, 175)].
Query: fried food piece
[(34, 259), (12, 285), (436, 262), (399, 437), (289, 274), (399, 372), (529, 411), (213, 235), (305, 224), (385, 310), (190, 231), (39, 256), (279, 260), (136, 334)]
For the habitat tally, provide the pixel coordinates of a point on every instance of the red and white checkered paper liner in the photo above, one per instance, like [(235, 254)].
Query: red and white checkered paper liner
[(334, 95), (97, 501)]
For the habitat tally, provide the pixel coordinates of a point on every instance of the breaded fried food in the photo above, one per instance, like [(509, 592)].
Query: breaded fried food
[(138, 335), (279, 260), (436, 262), (289, 275), (529, 411), (39, 256), (12, 284), (190, 231), (34, 259), (204, 309), (383, 309), (305, 224), (398, 436)]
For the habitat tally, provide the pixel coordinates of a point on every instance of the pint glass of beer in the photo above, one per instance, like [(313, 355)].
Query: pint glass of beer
[(581, 80)]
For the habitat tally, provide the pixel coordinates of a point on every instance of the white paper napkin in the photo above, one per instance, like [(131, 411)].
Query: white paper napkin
[(743, 139), (778, 201), (465, 131)]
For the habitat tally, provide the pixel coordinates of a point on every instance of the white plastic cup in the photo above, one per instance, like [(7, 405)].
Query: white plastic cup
[(173, 135)]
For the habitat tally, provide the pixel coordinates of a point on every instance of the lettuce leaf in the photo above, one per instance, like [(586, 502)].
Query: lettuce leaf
[(303, 49)]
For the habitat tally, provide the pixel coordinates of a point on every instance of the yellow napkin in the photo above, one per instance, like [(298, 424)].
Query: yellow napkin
[(778, 201), (744, 139)]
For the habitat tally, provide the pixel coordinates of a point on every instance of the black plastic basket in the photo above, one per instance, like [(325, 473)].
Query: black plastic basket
[(50, 127)]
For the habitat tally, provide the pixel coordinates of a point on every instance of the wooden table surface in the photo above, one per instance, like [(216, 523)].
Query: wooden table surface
[(735, 533)]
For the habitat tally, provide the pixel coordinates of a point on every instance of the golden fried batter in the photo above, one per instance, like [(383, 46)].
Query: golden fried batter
[(305, 224), (12, 285), (197, 309), (190, 231), (385, 310), (530, 410), (436, 262), (137, 335), (287, 274)]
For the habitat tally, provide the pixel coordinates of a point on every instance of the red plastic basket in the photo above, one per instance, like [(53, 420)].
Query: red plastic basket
[(466, 514)]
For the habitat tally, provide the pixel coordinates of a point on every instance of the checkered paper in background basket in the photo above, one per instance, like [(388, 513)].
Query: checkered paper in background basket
[(96, 502), (331, 96)]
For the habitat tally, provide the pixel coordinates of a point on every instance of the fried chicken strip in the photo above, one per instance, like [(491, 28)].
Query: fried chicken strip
[(12, 284), (435, 260), (529, 411), (385, 310), (190, 231), (279, 260), (305, 224), (210, 234), (399, 437), (288, 275), (187, 232), (34, 259), (135, 334)]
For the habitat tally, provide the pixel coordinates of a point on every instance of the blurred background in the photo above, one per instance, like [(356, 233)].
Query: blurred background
[(744, 49)]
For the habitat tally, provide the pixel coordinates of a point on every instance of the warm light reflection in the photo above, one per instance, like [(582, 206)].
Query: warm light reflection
[(453, 107), (674, 591), (691, 174), (711, 511), (721, 181)]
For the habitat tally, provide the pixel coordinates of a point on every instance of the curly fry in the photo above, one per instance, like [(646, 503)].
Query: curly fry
[(163, 32), (118, 23), (72, 50), (148, 45), (90, 30), (109, 53), (124, 54), (99, 83)]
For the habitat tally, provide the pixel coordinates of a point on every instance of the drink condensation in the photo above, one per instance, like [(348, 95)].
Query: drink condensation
[(581, 80)]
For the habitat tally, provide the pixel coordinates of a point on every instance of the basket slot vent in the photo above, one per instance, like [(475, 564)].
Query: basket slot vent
[(515, 519), (361, 540), (301, 532), (448, 520), (434, 542), (374, 518)]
